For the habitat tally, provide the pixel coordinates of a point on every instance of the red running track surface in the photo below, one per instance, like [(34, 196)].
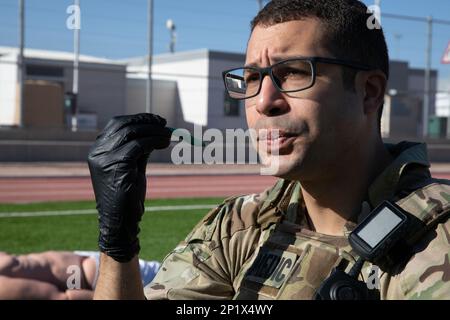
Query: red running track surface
[(25, 190)]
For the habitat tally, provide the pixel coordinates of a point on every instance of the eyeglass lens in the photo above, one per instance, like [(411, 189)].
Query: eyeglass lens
[(289, 76)]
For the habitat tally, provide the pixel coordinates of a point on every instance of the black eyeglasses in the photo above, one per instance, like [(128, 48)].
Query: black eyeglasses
[(291, 75)]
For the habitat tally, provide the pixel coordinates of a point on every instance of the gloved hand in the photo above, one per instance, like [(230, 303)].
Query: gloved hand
[(117, 163)]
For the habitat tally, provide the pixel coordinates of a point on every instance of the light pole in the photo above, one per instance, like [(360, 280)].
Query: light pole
[(427, 85), (397, 37), (76, 60), (149, 93), (21, 62), (173, 36)]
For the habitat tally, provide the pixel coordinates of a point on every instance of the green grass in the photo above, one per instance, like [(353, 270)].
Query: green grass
[(79, 205), (160, 231)]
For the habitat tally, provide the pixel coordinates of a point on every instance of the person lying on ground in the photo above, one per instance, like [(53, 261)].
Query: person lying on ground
[(56, 275)]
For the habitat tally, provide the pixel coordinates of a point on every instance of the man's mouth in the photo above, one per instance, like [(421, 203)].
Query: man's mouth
[(275, 139), (274, 134)]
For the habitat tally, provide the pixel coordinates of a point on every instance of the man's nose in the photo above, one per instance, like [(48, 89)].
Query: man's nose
[(270, 101)]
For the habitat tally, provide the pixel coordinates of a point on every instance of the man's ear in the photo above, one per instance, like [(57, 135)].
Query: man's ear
[(372, 85)]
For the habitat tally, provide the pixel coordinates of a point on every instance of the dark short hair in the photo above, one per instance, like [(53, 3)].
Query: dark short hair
[(348, 36)]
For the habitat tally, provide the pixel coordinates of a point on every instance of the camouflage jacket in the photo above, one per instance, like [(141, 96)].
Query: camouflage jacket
[(260, 247)]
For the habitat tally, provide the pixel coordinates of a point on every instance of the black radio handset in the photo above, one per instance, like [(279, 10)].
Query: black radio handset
[(346, 286)]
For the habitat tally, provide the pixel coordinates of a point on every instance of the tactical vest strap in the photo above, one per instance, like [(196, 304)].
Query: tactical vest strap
[(430, 205)]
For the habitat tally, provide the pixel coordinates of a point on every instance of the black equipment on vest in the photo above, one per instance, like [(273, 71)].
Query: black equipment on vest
[(346, 286), (372, 239), (377, 234)]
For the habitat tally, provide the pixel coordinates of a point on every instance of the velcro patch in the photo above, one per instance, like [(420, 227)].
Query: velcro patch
[(271, 267)]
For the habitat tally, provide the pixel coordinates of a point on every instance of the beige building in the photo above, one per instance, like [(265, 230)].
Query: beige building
[(102, 85)]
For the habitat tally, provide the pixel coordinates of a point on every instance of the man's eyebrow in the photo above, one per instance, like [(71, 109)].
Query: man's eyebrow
[(275, 59)]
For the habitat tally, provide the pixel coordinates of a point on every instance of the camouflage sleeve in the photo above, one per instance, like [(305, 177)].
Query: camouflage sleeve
[(427, 274), (206, 263)]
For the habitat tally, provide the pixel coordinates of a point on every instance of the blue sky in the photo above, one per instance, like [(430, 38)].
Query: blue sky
[(117, 28)]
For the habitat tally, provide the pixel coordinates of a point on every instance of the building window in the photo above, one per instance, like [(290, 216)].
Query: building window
[(44, 71), (231, 106)]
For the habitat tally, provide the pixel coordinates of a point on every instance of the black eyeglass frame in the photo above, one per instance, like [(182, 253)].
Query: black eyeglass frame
[(312, 61)]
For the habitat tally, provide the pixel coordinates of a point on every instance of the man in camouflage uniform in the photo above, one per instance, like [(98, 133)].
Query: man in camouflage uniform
[(262, 246), (324, 93)]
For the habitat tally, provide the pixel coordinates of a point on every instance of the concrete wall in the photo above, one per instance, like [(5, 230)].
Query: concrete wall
[(102, 91), (37, 145), (51, 144), (164, 98)]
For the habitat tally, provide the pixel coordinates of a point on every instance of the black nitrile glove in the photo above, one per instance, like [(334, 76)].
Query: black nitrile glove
[(117, 162)]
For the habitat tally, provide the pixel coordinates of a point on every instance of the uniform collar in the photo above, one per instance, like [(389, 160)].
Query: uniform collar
[(405, 154)]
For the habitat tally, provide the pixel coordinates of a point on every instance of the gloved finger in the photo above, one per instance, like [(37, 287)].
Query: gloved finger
[(139, 131), (135, 149), (149, 143), (128, 133), (118, 122)]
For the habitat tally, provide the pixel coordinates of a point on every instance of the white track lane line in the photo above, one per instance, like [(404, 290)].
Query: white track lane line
[(94, 211)]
